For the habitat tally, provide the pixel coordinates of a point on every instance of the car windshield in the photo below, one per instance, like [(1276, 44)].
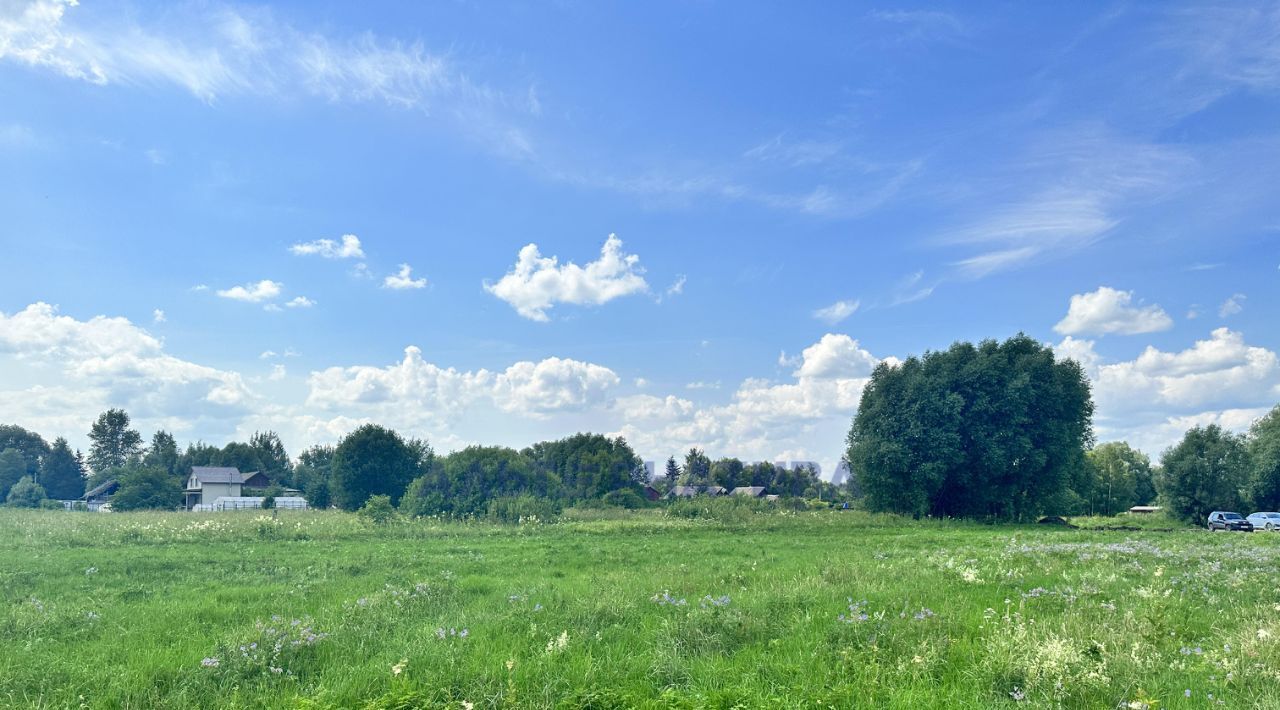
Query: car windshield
[(1231, 516)]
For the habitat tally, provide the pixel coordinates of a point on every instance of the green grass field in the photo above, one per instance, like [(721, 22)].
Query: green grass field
[(829, 609)]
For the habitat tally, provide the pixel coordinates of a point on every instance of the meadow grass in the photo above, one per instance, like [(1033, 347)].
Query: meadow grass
[(636, 609)]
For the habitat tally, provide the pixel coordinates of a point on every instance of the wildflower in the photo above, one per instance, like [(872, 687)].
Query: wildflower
[(511, 663), (467, 706), (93, 616), (1186, 693), (924, 613), (558, 643), (1263, 634), (537, 607), (1017, 694), (210, 662), (398, 668), (90, 570)]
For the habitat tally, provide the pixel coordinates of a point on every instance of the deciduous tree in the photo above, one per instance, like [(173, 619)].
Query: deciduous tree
[(1208, 470), (112, 442)]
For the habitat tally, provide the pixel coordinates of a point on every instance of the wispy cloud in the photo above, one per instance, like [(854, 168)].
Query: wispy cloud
[(347, 248), (836, 312), (258, 292), (1232, 305), (217, 51)]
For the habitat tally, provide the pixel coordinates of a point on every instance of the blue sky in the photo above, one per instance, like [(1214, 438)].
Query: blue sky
[(797, 193)]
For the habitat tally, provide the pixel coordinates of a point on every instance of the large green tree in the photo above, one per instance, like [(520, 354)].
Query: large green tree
[(1208, 470), (12, 468), (589, 465), (31, 445), (464, 482), (271, 453), (1117, 470), (996, 430), (112, 442), (60, 472), (1264, 458), (240, 456), (372, 460), (696, 470), (145, 488), (729, 473), (163, 454)]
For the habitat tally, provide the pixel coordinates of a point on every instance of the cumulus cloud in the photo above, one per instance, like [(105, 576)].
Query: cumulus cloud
[(84, 366), (1108, 310), (263, 290), (1232, 305), (403, 280), (836, 312), (536, 283), (347, 248), (300, 302), (1147, 399), (416, 386)]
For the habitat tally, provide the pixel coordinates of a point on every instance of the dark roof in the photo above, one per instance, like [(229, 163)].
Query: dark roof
[(748, 491), (685, 491), (105, 488), (219, 474)]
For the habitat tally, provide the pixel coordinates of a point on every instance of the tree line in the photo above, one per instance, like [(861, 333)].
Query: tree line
[(370, 461)]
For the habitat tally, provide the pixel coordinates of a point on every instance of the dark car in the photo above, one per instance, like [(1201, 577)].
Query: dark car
[(1219, 520)]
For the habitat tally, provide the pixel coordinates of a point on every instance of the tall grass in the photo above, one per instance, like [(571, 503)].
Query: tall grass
[(743, 606)]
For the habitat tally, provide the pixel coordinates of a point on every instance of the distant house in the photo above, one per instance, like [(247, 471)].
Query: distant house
[(651, 493), (98, 498), (691, 491), (208, 483), (749, 491)]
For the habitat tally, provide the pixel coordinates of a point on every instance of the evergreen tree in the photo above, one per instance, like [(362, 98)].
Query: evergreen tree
[(697, 469), (112, 442), (60, 472), (275, 461), (163, 454)]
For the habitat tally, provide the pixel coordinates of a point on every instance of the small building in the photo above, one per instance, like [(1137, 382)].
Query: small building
[(684, 491), (208, 483), (98, 498), (651, 493), (715, 490), (749, 491)]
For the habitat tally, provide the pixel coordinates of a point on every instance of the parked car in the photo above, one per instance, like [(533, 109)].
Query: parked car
[(1219, 520), (1265, 521)]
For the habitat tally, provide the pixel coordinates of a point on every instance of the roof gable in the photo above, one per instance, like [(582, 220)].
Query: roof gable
[(218, 474)]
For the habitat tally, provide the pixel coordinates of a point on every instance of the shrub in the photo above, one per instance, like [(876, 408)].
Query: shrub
[(523, 509), (726, 509), (378, 509), (269, 497), (624, 498), (49, 504), (26, 493), (147, 488)]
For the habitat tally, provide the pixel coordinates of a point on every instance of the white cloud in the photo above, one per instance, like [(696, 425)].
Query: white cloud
[(221, 50), (263, 290), (267, 355), (403, 279), (300, 302), (278, 372), (157, 316), (156, 157), (677, 287), (1108, 310), (703, 385), (536, 284), (348, 248), (414, 387), (1145, 400), (1232, 305), (836, 312), (77, 368)]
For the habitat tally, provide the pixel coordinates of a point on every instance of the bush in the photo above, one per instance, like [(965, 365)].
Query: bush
[(147, 488), (624, 498), (269, 497), (49, 504), (378, 509), (726, 509), (523, 509), (26, 493)]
